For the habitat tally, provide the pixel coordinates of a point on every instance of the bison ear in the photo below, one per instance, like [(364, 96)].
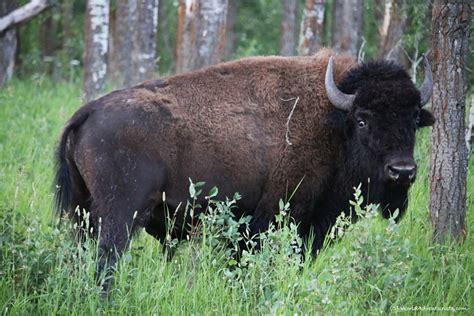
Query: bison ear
[(335, 119), (425, 119)]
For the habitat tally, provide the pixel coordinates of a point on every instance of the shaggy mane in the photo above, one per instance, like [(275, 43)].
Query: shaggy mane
[(371, 71)]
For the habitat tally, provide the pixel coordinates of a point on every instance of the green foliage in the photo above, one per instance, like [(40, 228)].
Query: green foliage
[(374, 266)]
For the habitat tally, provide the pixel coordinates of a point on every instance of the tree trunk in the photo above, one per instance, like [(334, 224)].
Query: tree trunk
[(347, 25), (288, 27), (312, 27), (8, 44), (448, 169), (144, 41), (121, 71), (379, 15), (96, 46), (186, 35), (211, 36), (229, 33), (391, 41), (201, 33)]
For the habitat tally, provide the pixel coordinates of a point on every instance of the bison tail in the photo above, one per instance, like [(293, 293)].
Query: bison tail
[(62, 182)]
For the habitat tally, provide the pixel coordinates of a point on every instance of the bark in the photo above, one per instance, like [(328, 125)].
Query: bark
[(121, 70), (379, 14), (395, 21), (22, 14), (230, 37), (211, 36), (96, 47), (448, 169), (186, 35), (312, 27), (288, 27), (347, 25), (201, 33), (470, 130), (8, 45), (144, 41)]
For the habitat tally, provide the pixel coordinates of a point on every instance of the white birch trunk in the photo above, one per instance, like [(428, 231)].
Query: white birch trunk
[(144, 41), (186, 35), (312, 27), (96, 47), (211, 36)]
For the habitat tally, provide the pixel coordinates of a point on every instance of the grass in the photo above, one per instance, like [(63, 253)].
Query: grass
[(376, 267)]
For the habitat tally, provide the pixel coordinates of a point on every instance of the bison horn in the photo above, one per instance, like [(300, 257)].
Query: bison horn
[(338, 98), (426, 89)]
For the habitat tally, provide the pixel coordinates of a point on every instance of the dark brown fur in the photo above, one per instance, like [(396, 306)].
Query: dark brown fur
[(225, 125)]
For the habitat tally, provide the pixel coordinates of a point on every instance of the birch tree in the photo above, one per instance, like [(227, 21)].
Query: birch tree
[(288, 27), (134, 42), (144, 41), (96, 46), (121, 70), (211, 36), (186, 34), (201, 33), (347, 25), (448, 168), (312, 27)]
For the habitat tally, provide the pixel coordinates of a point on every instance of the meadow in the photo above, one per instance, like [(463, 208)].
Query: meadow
[(375, 266)]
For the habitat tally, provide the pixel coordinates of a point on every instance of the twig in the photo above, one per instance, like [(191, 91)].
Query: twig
[(287, 135)]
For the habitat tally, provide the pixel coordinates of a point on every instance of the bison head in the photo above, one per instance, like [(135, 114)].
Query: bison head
[(378, 110)]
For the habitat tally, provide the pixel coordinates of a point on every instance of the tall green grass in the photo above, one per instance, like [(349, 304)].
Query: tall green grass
[(377, 266)]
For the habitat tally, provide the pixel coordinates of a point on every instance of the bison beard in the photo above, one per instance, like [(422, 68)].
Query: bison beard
[(228, 125)]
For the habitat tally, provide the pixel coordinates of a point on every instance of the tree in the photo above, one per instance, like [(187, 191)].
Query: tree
[(96, 47), (9, 18), (132, 59), (229, 30), (201, 33), (394, 26), (448, 169), (312, 27), (123, 31), (211, 36), (186, 34), (8, 44), (288, 27), (347, 25), (144, 41)]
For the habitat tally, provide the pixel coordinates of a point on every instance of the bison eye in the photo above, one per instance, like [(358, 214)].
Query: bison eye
[(361, 123)]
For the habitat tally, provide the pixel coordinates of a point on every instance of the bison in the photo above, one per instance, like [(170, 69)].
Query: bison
[(258, 126)]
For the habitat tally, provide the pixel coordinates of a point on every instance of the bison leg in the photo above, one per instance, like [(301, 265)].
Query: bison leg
[(121, 203), (114, 237)]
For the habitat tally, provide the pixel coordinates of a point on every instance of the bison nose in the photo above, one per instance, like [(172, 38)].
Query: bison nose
[(402, 173)]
